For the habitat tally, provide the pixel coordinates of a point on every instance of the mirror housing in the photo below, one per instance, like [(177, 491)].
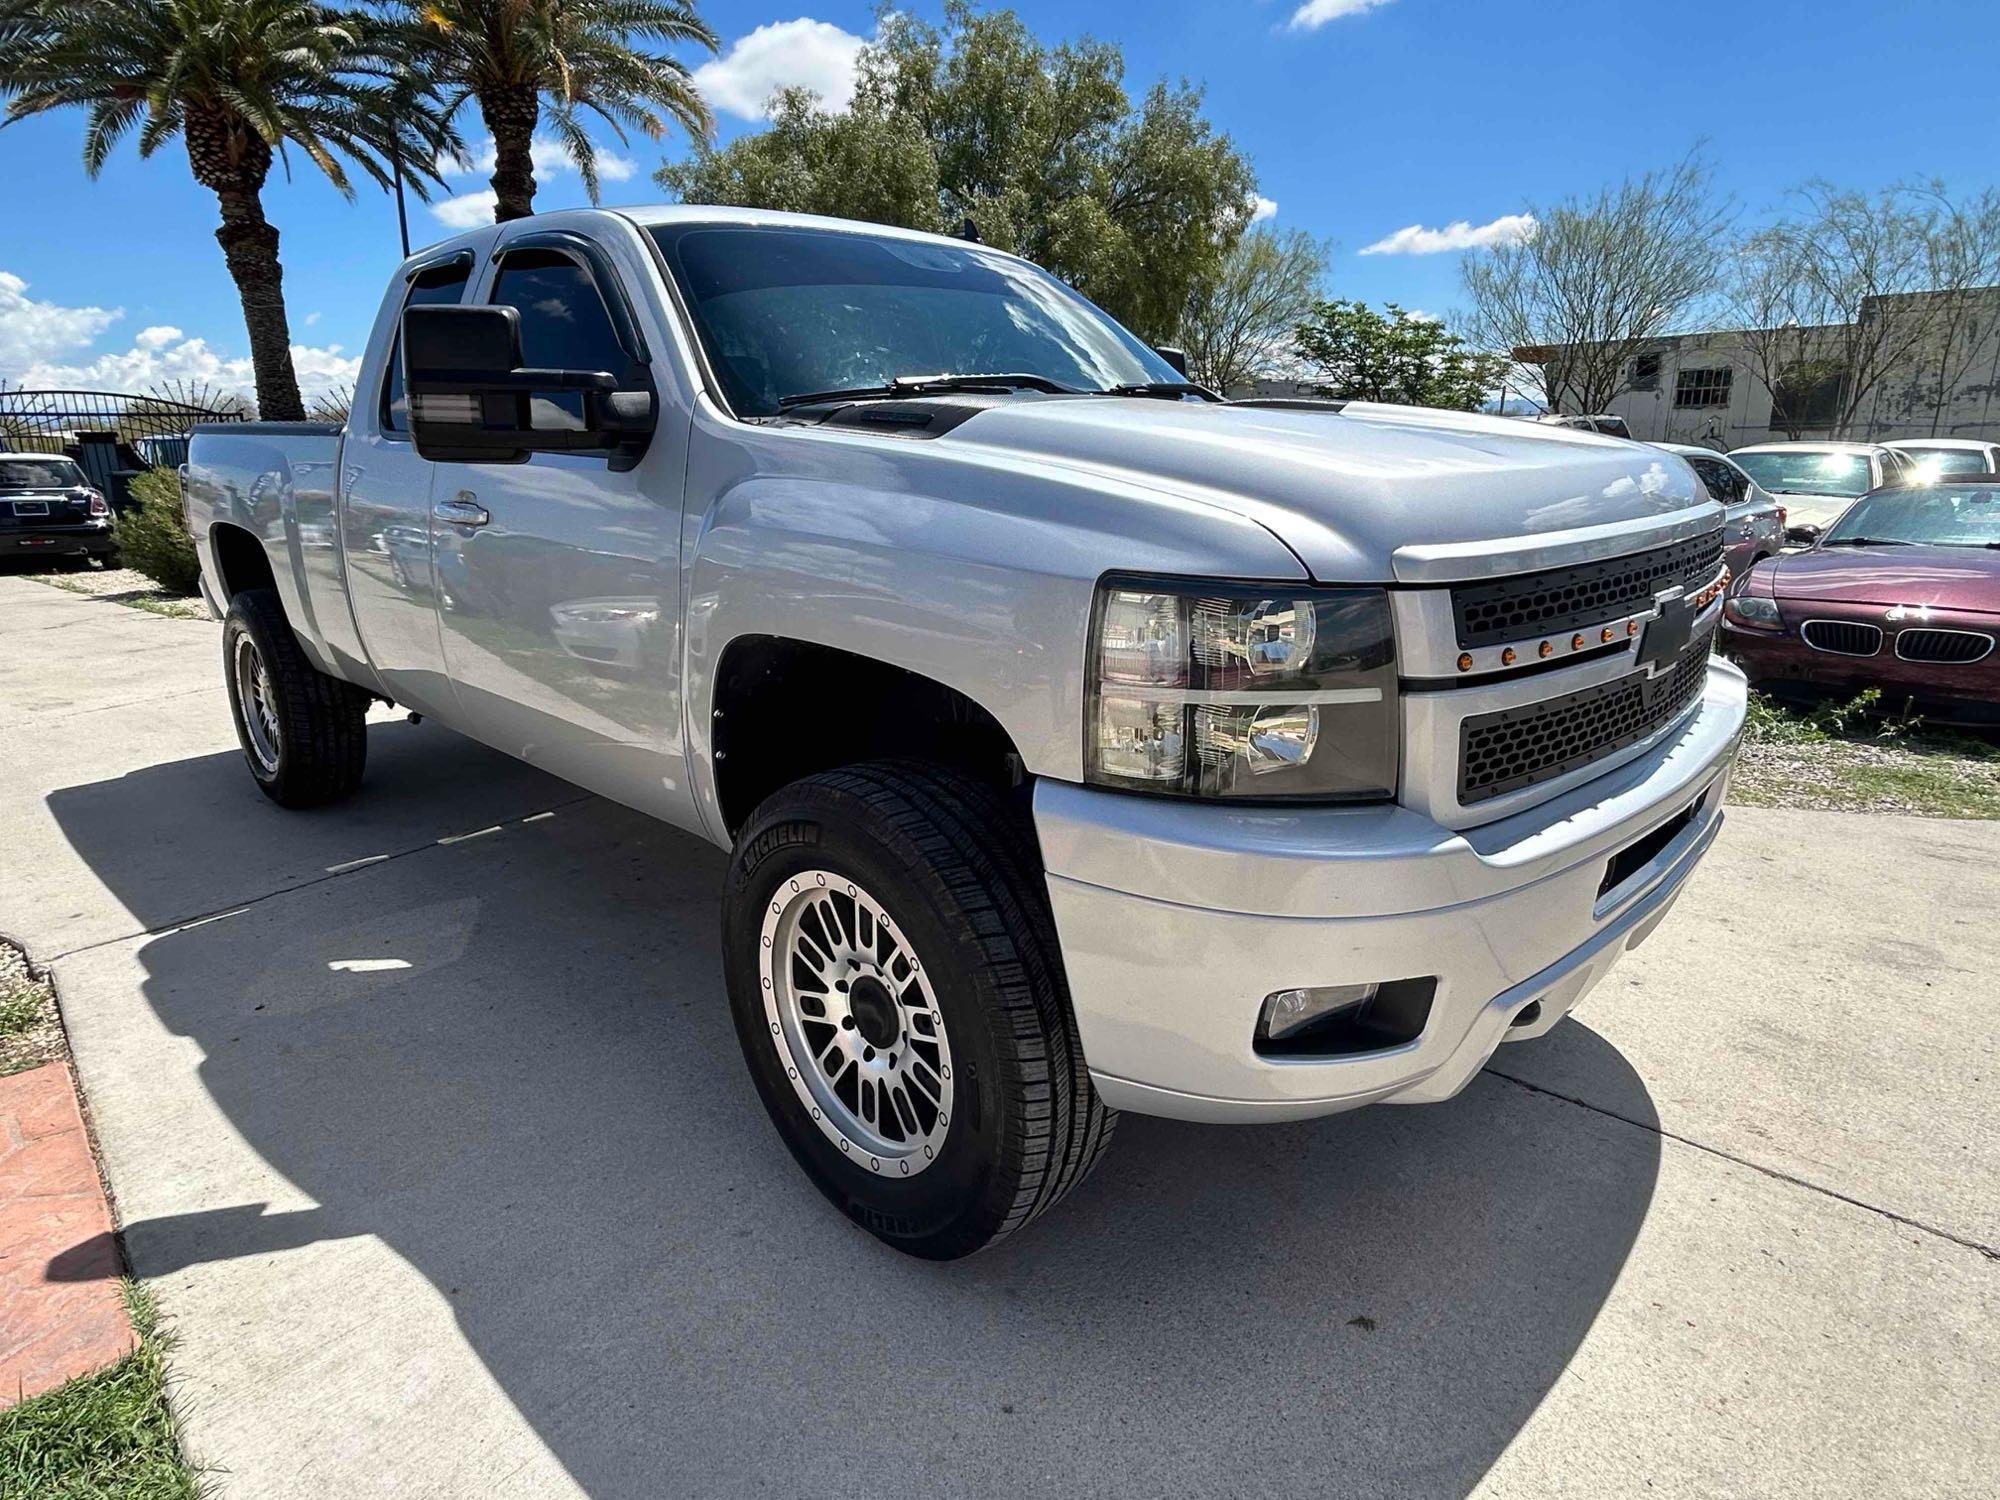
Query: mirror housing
[(1174, 356), (472, 401), (1804, 535)]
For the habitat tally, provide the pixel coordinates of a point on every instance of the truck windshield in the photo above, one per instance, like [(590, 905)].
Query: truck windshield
[(782, 312), (38, 474)]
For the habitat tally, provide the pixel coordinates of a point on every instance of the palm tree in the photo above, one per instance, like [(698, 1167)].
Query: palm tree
[(238, 81), (578, 55)]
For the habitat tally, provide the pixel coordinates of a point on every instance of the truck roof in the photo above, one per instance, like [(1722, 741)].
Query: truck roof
[(650, 215)]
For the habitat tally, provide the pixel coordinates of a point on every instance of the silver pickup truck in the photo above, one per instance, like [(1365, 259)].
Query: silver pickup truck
[(1083, 742)]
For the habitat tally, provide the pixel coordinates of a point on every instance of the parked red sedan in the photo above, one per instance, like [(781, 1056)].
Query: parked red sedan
[(1902, 593)]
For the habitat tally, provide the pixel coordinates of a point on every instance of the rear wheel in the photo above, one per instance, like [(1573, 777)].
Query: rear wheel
[(898, 992), (304, 734)]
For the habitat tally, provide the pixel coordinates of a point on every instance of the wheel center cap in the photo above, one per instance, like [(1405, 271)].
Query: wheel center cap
[(874, 1011)]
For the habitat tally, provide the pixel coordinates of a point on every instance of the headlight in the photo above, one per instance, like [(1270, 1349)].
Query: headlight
[(1755, 610), (1242, 690)]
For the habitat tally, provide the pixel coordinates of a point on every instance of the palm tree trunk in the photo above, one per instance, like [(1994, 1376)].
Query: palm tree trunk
[(511, 114), (250, 244)]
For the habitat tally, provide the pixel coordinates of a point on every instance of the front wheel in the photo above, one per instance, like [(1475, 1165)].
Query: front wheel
[(896, 985), (304, 734)]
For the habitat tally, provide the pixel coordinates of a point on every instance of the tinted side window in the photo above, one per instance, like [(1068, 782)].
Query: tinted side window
[(445, 283), (563, 322)]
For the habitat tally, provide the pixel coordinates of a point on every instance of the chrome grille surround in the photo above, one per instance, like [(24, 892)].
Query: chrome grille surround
[(1437, 698)]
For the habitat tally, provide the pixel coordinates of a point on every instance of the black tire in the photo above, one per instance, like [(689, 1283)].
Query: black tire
[(958, 872), (318, 729)]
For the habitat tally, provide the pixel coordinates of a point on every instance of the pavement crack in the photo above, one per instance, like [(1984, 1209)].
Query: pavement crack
[(337, 872), (1989, 1251)]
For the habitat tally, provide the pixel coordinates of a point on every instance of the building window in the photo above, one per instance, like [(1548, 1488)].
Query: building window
[(1804, 399), (1646, 372), (1703, 387)]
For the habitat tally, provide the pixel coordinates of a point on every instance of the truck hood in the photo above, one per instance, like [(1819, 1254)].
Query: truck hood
[(1964, 578), (1344, 489)]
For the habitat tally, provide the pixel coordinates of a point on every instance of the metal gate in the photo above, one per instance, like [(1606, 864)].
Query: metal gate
[(112, 436)]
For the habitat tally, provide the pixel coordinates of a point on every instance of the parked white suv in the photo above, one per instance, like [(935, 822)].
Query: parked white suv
[(1083, 741)]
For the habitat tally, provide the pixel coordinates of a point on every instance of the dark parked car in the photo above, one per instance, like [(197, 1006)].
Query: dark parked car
[(47, 508), (1902, 593)]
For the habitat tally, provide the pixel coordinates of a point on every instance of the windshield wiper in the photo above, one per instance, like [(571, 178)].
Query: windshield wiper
[(931, 385), (1172, 388), (1866, 541)]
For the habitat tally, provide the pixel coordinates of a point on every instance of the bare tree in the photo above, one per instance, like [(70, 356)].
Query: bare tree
[(1863, 266), (1781, 329), (1239, 323), (1600, 277), (1962, 252)]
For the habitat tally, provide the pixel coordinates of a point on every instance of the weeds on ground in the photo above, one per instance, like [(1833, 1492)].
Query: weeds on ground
[(30, 1033), (1855, 757), (102, 1435)]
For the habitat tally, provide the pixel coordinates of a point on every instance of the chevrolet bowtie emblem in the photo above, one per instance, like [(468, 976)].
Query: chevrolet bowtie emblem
[(1667, 633)]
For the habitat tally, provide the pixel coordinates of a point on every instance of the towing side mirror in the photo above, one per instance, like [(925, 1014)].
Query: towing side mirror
[(1174, 357), (1803, 535), (472, 400)]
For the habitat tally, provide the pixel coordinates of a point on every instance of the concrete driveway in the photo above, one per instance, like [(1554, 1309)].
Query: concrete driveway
[(424, 1117)]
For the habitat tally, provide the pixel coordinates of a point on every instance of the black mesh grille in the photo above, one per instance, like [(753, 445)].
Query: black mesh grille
[(1588, 594), (1948, 646), (1843, 637), (1522, 747)]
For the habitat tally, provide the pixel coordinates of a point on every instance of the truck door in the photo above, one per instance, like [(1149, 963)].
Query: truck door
[(385, 515), (558, 578)]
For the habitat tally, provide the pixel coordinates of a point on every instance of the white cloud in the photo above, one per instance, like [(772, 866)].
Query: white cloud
[(1316, 13), (1414, 239), (42, 344), (311, 318), (1262, 208), (806, 54), (31, 331), (547, 155), (467, 210)]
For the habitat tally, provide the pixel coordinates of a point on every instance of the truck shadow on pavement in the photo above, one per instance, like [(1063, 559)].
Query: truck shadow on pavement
[(509, 1058)]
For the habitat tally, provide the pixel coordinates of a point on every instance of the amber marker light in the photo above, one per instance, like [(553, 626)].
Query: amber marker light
[(1546, 648), (1576, 643), (1465, 662), (1605, 634), (1507, 657), (1631, 627)]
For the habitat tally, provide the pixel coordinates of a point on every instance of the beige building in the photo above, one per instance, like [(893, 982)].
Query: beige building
[(1706, 388)]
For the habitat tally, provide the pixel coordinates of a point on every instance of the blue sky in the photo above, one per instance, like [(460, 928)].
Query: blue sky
[(1364, 118)]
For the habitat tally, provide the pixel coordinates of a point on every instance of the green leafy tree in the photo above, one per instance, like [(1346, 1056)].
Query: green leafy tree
[(1359, 354), (239, 81), (516, 58), (1038, 146)]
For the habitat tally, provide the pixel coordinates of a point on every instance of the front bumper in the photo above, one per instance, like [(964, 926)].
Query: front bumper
[(1177, 919)]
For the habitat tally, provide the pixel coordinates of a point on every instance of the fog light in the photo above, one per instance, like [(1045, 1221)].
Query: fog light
[(1290, 1011)]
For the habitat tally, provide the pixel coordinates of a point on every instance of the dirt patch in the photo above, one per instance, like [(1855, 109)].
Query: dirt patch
[(127, 586)]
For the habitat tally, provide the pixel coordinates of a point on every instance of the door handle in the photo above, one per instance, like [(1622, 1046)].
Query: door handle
[(463, 509)]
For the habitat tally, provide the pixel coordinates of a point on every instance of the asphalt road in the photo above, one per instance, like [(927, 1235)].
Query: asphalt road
[(424, 1118)]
